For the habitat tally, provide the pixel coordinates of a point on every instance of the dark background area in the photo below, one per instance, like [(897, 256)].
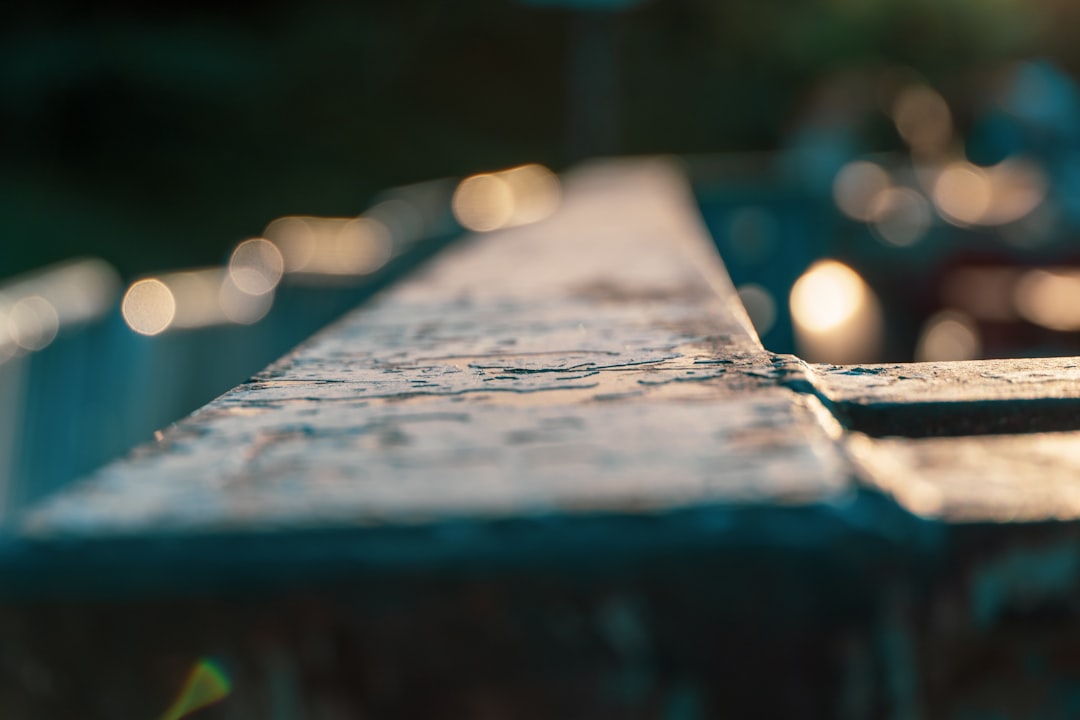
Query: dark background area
[(158, 136)]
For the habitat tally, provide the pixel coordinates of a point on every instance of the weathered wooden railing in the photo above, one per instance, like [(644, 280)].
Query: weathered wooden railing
[(79, 386), (555, 474)]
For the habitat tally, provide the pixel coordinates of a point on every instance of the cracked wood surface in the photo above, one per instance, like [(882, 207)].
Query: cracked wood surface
[(977, 397), (597, 364), (594, 363), (979, 441)]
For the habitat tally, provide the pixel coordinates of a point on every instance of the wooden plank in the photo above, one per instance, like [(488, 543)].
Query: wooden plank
[(953, 398), (979, 441), (986, 478), (586, 490), (597, 364)]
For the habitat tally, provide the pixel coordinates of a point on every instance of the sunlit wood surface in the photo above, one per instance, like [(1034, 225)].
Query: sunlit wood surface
[(596, 362), (555, 474)]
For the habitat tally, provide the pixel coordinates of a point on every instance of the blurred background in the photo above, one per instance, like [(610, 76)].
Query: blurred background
[(188, 190)]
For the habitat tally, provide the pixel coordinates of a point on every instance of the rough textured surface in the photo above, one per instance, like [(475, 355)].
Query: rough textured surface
[(595, 362), (954, 398), (980, 441), (556, 475)]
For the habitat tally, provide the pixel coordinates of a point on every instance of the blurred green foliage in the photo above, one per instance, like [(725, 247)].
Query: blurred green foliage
[(158, 135)]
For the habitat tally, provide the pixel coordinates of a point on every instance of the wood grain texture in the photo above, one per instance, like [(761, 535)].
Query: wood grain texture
[(556, 474), (961, 442), (954, 398), (594, 363)]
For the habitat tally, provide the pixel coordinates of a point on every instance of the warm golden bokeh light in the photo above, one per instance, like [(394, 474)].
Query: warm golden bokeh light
[(195, 293), (331, 246), (359, 246), (949, 335), (240, 307), (256, 266), (516, 196), (759, 305), (78, 290), (923, 119), (1050, 299), (295, 239), (33, 322), (836, 316), (826, 296), (900, 216), (535, 190), (1019, 187), (483, 203), (966, 194), (857, 186), (148, 306), (963, 193), (192, 299), (35, 307)]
